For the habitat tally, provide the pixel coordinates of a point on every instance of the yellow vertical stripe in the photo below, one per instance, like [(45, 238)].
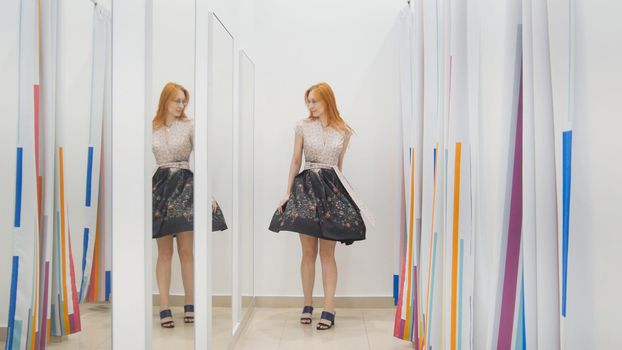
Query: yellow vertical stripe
[(454, 262)]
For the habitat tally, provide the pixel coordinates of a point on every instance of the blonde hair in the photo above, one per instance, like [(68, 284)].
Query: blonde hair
[(166, 96), (327, 96)]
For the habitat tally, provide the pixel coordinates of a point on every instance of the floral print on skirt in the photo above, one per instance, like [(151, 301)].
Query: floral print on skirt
[(321, 207), (172, 201), (218, 220)]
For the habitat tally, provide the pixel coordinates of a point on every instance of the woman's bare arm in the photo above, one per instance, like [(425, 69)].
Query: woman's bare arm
[(294, 167)]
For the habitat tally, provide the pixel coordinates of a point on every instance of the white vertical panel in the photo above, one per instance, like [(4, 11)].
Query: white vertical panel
[(131, 192), (202, 190)]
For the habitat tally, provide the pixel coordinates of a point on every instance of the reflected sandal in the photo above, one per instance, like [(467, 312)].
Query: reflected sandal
[(188, 308), (164, 314), (307, 313), (326, 316)]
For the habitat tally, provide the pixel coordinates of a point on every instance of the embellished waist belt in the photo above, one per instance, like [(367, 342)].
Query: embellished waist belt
[(365, 212), (181, 165)]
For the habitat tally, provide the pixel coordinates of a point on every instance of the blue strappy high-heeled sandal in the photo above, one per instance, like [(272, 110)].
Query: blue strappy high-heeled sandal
[(164, 314), (326, 316), (307, 313), (188, 308)]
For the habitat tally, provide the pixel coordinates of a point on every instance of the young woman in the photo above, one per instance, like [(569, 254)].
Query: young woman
[(172, 143), (319, 203)]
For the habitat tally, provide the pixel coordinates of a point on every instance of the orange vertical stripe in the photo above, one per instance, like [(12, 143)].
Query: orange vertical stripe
[(454, 262), (63, 239), (95, 270), (409, 242)]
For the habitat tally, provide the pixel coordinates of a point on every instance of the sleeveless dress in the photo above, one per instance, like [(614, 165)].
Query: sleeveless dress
[(322, 203), (173, 181)]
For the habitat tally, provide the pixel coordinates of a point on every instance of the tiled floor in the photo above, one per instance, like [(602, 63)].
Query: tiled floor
[(268, 329), (360, 329)]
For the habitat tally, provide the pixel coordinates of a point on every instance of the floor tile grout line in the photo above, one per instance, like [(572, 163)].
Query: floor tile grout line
[(282, 332), (366, 331)]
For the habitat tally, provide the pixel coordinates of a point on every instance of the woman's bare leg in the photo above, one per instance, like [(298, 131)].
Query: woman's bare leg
[(186, 258), (163, 270), (307, 266), (329, 273)]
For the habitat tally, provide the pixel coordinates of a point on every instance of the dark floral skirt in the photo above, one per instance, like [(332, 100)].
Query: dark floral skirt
[(321, 207), (218, 220), (172, 201)]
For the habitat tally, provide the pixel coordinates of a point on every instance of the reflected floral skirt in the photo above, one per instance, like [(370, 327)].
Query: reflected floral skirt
[(172, 205), (218, 220), (321, 207)]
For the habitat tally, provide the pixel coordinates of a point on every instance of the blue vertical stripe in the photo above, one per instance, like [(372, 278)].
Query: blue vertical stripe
[(521, 343), (107, 285), (435, 161), (89, 176), (18, 187), (85, 246), (396, 283), (566, 167), (11, 326)]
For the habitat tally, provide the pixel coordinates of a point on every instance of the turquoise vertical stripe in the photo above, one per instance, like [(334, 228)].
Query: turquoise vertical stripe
[(89, 176), (566, 167), (16, 339), (520, 324), (11, 329), (431, 290), (18, 187)]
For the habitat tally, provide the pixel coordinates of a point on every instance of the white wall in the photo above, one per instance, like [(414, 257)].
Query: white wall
[(9, 56), (352, 46), (594, 284)]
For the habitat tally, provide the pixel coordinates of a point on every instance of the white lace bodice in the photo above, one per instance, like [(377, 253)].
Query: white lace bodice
[(320, 145), (172, 145)]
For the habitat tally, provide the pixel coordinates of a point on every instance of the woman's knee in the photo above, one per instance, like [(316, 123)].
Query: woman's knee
[(165, 255), (309, 253), (327, 255), (186, 254)]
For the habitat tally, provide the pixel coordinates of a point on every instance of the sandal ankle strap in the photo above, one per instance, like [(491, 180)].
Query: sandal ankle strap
[(166, 313), (329, 316)]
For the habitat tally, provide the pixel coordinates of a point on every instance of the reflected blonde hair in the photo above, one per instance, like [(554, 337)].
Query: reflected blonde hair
[(166, 96), (327, 96)]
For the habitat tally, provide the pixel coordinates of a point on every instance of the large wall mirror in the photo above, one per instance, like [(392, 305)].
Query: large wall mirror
[(220, 162), (246, 185), (173, 61)]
